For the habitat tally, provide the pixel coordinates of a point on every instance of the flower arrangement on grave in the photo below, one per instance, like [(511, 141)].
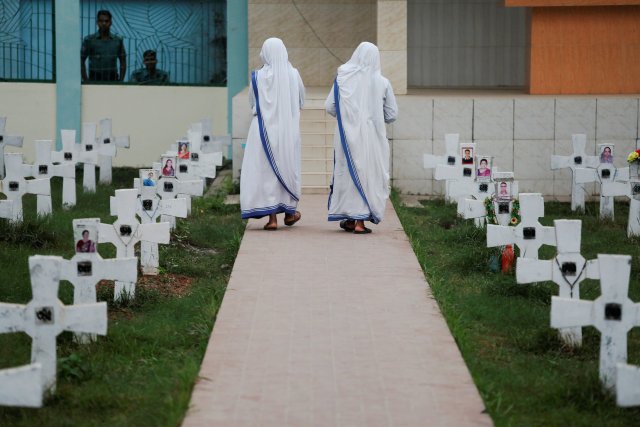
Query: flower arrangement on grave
[(491, 212), (634, 157)]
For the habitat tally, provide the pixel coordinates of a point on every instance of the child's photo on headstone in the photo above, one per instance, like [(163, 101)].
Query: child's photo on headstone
[(148, 177)]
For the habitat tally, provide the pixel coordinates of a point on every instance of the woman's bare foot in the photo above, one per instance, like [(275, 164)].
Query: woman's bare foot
[(292, 219), (360, 228), (272, 224)]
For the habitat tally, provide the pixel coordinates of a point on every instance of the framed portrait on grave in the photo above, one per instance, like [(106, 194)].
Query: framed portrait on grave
[(85, 234), (466, 154), (606, 153), (503, 190), (483, 168), (148, 177), (183, 149), (168, 166)]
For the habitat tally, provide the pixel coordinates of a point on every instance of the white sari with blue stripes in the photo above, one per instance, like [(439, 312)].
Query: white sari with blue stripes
[(362, 100), (270, 175)]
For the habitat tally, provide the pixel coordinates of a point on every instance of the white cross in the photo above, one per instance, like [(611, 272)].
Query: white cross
[(605, 172), (14, 186), (149, 209), (15, 141), (45, 317), (612, 313), (529, 235), (456, 172), (580, 159), (43, 168), (203, 165), (127, 231), (89, 141), (210, 142), (22, 386), (627, 385), (475, 208), (450, 158), (171, 188), (567, 269), (472, 190), (71, 154), (632, 191), (108, 145)]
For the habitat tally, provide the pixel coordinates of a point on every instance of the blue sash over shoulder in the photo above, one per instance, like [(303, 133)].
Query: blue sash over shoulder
[(352, 169), (264, 137)]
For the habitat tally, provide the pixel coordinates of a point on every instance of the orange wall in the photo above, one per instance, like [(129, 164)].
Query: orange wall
[(538, 3), (585, 50)]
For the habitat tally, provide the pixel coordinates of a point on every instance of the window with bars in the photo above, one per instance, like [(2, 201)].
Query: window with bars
[(188, 37), (27, 40)]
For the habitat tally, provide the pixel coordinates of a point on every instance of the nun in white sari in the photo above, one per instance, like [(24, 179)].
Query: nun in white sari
[(362, 100), (270, 181)]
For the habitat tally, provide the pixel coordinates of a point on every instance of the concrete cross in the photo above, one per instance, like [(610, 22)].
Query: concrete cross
[(45, 317), (108, 145), (22, 386), (529, 235), (605, 172), (475, 208), (89, 146), (203, 165), (612, 313), (450, 158), (627, 385), (472, 190), (127, 231), (210, 142), (567, 269), (172, 188), (580, 159), (150, 208), (14, 141), (631, 190), (457, 171), (71, 154), (14, 186), (43, 168)]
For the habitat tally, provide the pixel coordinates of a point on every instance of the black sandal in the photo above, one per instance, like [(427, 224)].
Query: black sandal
[(365, 231), (344, 222)]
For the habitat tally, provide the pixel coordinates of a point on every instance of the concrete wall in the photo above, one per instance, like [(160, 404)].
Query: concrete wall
[(154, 117), (522, 132)]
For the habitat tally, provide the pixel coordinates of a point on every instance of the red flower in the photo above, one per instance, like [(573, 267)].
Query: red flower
[(638, 151)]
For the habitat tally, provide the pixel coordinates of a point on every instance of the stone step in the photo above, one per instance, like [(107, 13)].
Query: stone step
[(316, 179), (317, 139), (317, 152), (315, 189), (317, 165)]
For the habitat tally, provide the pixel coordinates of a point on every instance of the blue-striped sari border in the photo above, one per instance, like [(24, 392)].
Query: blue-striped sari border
[(268, 210)]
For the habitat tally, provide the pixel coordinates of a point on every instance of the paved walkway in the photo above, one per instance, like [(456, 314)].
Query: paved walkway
[(320, 327)]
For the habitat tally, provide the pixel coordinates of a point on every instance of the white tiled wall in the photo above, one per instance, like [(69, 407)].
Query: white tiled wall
[(520, 132)]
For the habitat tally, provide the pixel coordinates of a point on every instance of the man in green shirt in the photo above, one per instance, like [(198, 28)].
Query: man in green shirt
[(150, 75), (103, 50)]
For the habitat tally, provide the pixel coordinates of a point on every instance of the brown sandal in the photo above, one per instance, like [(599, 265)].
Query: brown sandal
[(292, 219)]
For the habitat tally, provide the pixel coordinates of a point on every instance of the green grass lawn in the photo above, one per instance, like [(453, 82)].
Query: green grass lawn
[(524, 373), (143, 371)]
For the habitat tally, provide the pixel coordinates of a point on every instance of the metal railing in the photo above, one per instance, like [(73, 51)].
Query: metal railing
[(27, 40)]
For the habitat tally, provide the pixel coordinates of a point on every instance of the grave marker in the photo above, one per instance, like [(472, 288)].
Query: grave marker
[(578, 159), (567, 269), (127, 231), (502, 206), (45, 317), (613, 313), (450, 158), (462, 170), (43, 168), (630, 190), (108, 145), (528, 235), (71, 154), (22, 386), (627, 385), (14, 141), (14, 186)]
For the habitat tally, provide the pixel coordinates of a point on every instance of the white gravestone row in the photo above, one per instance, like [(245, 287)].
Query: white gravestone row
[(15, 141), (176, 188), (604, 173), (567, 270), (578, 159), (528, 235), (504, 192), (73, 153), (127, 231), (613, 313), (210, 142), (43, 319), (14, 185), (450, 158)]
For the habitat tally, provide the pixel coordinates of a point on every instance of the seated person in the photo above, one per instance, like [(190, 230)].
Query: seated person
[(150, 75)]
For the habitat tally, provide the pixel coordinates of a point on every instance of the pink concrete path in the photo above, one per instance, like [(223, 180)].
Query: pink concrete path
[(320, 327)]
